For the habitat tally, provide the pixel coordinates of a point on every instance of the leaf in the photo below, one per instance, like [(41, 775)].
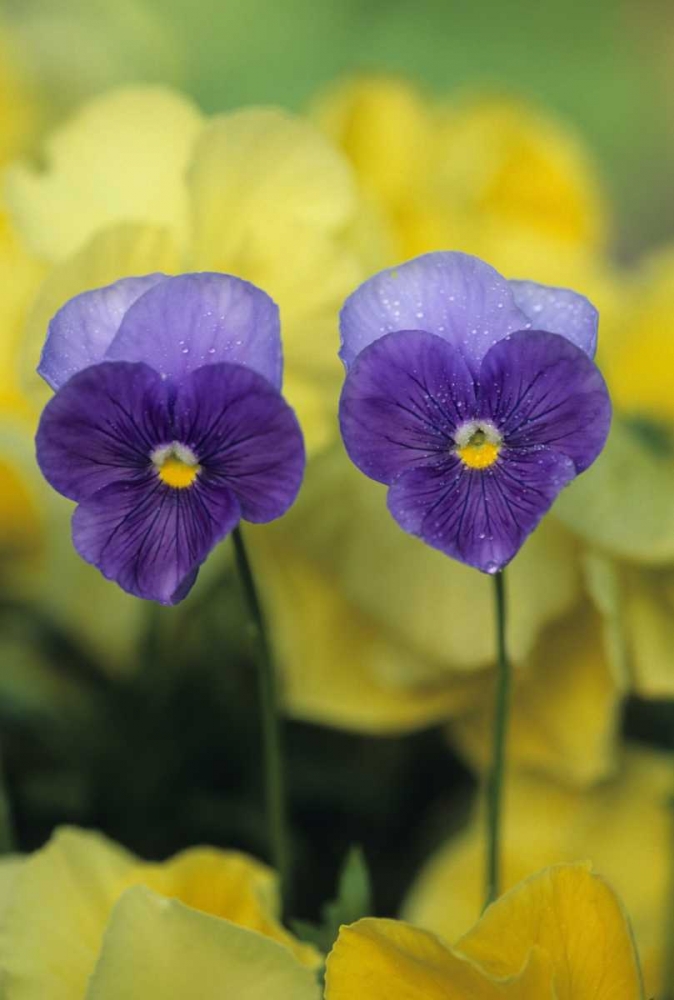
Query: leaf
[(353, 901)]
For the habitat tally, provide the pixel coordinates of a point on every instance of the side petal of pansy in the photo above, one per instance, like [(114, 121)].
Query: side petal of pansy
[(83, 329), (154, 946), (391, 960), (559, 310), (193, 320), (452, 295)]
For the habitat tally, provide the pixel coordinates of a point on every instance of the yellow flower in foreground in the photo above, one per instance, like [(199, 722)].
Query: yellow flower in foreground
[(76, 897), (623, 827), (559, 935)]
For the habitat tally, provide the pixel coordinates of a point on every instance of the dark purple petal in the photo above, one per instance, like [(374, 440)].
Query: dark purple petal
[(151, 539), (201, 319), (401, 402), (559, 310), (480, 517), (540, 389), (245, 437), (453, 295), (102, 427), (81, 332)]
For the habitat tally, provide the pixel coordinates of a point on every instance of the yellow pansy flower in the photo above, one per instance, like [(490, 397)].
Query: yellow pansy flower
[(559, 935), (489, 175), (623, 827), (258, 193), (77, 895)]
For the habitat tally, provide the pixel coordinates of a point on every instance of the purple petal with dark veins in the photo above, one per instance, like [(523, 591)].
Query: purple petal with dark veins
[(102, 427), (402, 401), (245, 437), (540, 389), (201, 319), (83, 329), (453, 295), (480, 517), (559, 310), (150, 538)]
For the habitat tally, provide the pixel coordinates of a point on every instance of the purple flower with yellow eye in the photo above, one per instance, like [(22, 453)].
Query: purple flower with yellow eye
[(473, 398), (168, 426)]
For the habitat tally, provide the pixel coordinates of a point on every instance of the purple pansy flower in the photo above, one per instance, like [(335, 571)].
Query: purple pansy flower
[(475, 399), (168, 425)]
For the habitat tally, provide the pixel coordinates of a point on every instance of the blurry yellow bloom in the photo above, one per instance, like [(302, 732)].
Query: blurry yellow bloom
[(18, 108), (258, 193), (76, 895), (375, 631), (623, 827), (488, 175), (559, 935)]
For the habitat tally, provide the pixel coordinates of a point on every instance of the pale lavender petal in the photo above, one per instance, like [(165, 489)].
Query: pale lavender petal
[(151, 539), (481, 517), (245, 436), (559, 310), (540, 389), (83, 329), (102, 427), (453, 295), (402, 400), (201, 319)]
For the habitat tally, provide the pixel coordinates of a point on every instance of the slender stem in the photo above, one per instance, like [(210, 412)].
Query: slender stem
[(271, 719), (497, 773)]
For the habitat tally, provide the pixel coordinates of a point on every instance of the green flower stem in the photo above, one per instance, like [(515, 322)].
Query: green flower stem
[(496, 777), (271, 720)]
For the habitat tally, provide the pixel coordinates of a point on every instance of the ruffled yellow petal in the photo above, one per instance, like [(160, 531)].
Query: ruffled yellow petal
[(65, 893), (225, 884), (390, 960), (567, 676), (576, 920), (274, 202), (62, 898), (156, 948), (616, 822), (122, 158)]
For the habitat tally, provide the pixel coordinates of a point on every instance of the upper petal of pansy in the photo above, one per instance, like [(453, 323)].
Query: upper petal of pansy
[(245, 437), (540, 389), (159, 947), (402, 400), (83, 329), (150, 538), (453, 295), (481, 517), (102, 428), (193, 320), (559, 310)]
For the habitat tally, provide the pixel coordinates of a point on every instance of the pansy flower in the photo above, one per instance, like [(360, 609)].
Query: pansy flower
[(473, 398), (168, 425)]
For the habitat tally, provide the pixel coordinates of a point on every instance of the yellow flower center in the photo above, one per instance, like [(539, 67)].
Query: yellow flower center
[(176, 465), (478, 444)]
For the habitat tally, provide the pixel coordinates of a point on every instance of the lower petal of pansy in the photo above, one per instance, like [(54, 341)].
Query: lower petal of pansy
[(540, 389), (245, 436), (480, 516), (151, 538), (402, 400)]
